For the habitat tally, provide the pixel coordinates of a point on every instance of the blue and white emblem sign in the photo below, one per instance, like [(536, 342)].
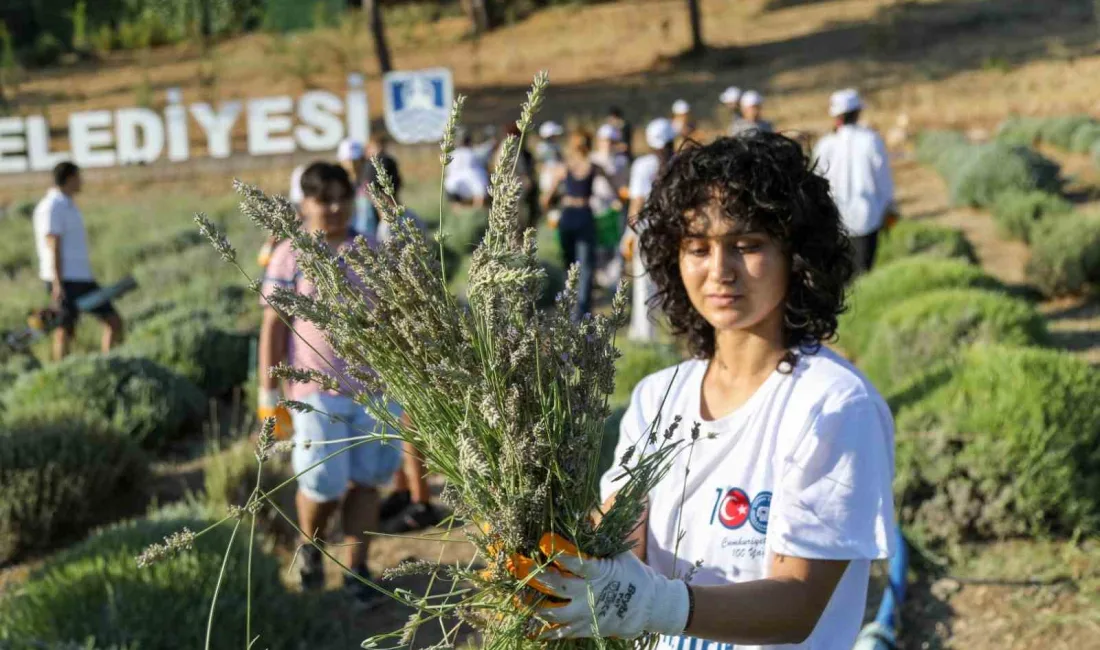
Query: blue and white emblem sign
[(417, 104)]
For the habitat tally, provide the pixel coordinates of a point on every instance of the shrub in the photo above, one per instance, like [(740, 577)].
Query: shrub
[(141, 399), (1017, 212), (638, 361), (1058, 131), (941, 150), (1001, 443), (47, 50), (1023, 131), (230, 476), (1085, 137), (61, 471), (96, 589), (197, 346), (919, 332), (884, 287), (997, 167), (911, 237), (15, 254), (1065, 254), (13, 367)]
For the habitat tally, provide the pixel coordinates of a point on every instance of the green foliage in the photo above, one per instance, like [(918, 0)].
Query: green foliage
[(1001, 443), (1059, 131), (941, 150), (61, 471), (288, 15), (638, 361), (47, 50), (15, 251), (103, 40), (911, 237), (996, 167), (229, 477), (197, 345), (885, 286), (1017, 212), (141, 399), (9, 66), (1065, 254), (97, 590), (463, 230), (976, 174), (1023, 131), (1085, 137), (80, 25), (919, 332)]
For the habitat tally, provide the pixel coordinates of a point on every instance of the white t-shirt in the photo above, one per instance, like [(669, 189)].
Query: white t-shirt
[(56, 214), (466, 177), (804, 468), (857, 166), (642, 174)]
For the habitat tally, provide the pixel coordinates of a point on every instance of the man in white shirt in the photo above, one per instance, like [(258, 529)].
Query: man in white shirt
[(854, 160), (63, 263)]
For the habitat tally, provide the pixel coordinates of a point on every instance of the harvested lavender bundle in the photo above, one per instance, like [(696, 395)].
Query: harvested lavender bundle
[(506, 402)]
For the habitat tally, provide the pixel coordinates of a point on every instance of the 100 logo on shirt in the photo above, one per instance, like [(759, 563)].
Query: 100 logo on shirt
[(733, 507)]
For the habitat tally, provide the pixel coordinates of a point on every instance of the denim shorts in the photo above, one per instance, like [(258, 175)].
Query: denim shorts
[(338, 417)]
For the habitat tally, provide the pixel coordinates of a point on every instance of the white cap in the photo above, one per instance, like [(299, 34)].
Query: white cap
[(680, 107), (844, 101), (608, 132), (659, 133), (751, 98), (550, 129), (349, 150), (730, 95)]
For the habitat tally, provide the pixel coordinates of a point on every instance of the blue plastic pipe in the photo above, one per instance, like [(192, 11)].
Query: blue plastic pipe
[(881, 634)]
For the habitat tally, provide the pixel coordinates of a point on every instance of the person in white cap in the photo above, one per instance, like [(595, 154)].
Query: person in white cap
[(682, 120), (351, 155), (608, 193), (616, 119), (752, 104), (550, 159), (855, 162), (731, 99), (660, 135), (608, 157)]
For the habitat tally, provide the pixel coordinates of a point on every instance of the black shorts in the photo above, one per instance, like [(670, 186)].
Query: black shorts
[(74, 290)]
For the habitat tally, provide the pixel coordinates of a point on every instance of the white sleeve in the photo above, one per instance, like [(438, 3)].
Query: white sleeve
[(641, 179), (632, 428), (833, 499)]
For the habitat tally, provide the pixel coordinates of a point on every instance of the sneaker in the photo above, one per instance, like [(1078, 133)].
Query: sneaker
[(312, 570), (361, 594), (417, 516), (394, 504)]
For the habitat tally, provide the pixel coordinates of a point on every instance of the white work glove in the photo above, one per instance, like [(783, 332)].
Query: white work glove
[(617, 597)]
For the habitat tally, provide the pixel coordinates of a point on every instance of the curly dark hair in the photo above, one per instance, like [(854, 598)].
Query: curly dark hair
[(765, 183)]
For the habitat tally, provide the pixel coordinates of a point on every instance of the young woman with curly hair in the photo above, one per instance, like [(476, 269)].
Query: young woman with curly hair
[(768, 539)]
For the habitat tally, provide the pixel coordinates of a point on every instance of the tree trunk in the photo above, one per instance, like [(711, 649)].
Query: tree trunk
[(697, 44), (378, 32), (478, 15), (206, 20)]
